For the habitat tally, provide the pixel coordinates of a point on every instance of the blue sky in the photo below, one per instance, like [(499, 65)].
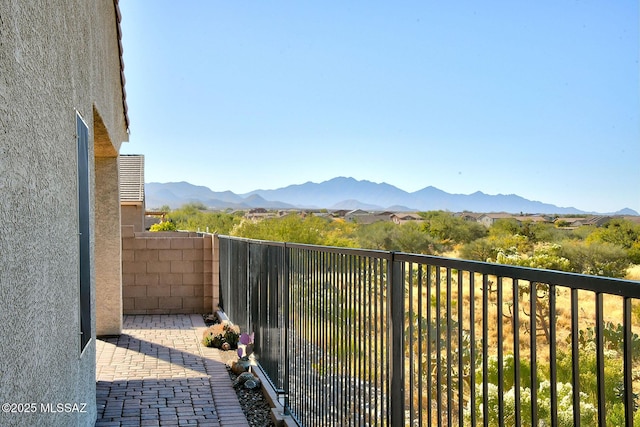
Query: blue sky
[(539, 99)]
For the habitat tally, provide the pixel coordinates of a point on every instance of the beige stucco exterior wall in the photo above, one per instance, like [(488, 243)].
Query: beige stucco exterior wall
[(108, 248), (56, 58)]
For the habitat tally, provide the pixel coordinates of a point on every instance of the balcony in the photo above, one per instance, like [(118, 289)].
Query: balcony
[(358, 337)]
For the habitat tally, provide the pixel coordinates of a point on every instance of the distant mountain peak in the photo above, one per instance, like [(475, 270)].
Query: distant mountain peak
[(349, 193)]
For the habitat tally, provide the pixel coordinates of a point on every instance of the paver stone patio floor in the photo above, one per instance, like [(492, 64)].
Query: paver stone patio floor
[(158, 373)]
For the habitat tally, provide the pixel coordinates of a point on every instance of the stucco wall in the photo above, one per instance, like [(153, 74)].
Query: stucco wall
[(55, 58), (167, 272), (108, 248)]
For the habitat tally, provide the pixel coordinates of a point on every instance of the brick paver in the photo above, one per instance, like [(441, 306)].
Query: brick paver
[(158, 373)]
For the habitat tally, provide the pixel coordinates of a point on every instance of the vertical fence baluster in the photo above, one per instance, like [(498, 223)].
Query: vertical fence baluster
[(375, 328), (485, 350), (315, 315), (602, 400), (533, 353), (287, 318), (421, 333), (397, 342), (388, 343), (575, 358), (472, 344), (410, 343), (343, 341), (359, 351), (500, 347), (302, 324), (628, 363), (430, 337), (553, 367), (516, 351), (370, 339), (335, 371), (460, 348), (439, 402), (449, 338)]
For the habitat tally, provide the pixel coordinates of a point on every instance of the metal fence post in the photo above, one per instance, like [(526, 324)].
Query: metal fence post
[(396, 307), (285, 300)]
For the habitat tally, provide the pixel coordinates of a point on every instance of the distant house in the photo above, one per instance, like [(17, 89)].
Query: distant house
[(531, 218), (468, 216), (597, 221), (632, 218), (132, 207), (339, 213), (63, 118), (363, 217), (489, 219), (355, 215), (401, 218), (260, 213), (569, 222)]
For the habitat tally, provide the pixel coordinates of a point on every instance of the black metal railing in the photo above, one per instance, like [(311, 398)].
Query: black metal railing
[(359, 337)]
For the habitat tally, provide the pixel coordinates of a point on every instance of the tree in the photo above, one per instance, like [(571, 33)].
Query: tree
[(408, 237), (194, 217), (479, 250), (546, 256), (596, 258), (617, 231), (450, 230), (411, 238), (622, 233), (505, 227), (379, 235), (309, 229)]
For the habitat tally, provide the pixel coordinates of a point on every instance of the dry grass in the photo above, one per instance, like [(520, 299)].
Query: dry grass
[(633, 273), (612, 312)]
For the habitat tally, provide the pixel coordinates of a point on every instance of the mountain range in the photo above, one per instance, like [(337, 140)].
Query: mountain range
[(349, 193)]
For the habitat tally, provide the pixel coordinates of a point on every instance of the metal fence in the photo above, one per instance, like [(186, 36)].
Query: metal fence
[(367, 338)]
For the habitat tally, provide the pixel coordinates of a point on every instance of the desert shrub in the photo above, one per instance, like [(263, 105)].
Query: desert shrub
[(479, 250), (564, 393), (194, 217), (294, 227), (596, 258), (450, 230), (164, 226), (545, 256), (220, 334)]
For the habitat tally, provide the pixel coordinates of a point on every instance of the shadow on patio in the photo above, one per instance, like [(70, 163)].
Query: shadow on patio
[(158, 373)]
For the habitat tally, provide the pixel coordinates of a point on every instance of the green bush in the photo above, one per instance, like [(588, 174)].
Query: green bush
[(564, 389), (163, 226)]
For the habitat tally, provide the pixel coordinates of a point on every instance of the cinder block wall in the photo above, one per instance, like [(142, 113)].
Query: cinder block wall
[(133, 215), (166, 272)]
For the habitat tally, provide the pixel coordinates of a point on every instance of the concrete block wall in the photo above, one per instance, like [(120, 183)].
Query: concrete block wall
[(166, 272), (133, 214)]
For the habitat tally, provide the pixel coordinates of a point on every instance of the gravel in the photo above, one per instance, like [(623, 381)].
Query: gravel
[(254, 405)]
